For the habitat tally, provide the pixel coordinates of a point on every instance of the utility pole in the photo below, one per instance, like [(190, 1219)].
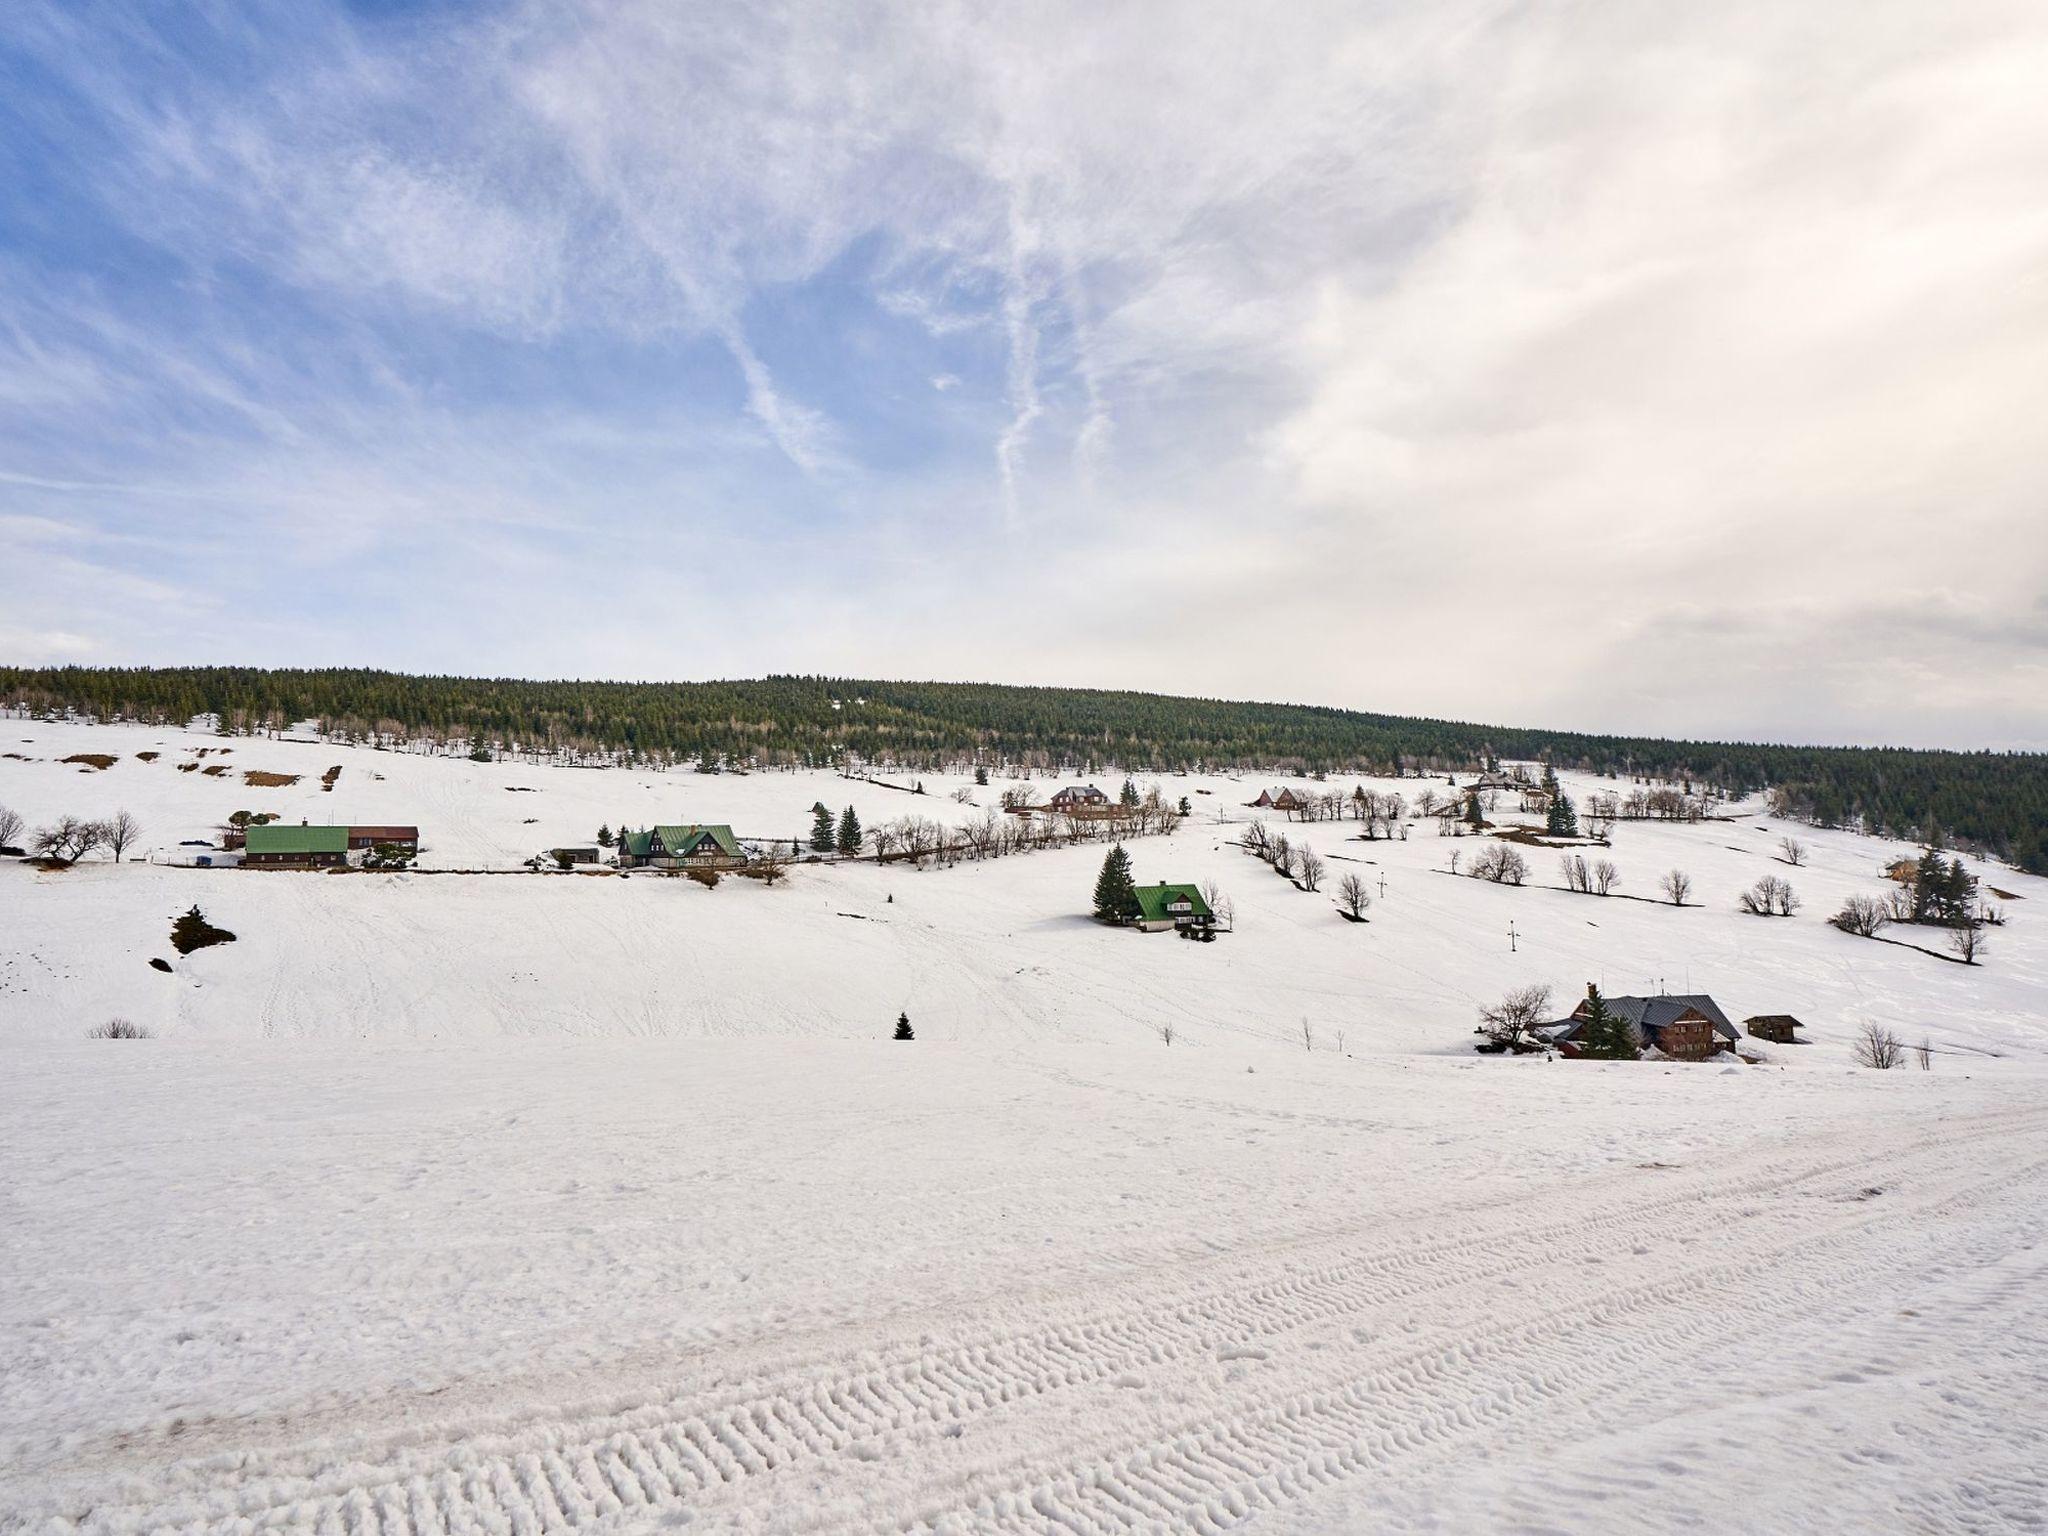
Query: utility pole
[(1511, 936), (1383, 885)]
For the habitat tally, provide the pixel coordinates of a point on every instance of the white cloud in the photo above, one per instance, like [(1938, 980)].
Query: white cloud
[(1377, 340)]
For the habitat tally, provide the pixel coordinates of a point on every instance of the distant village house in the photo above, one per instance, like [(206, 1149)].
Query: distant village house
[(681, 847), (1684, 1028), (1079, 797), (1173, 906), (275, 846)]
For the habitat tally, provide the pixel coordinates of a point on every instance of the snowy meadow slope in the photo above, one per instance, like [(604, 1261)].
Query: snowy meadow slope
[(493, 1201)]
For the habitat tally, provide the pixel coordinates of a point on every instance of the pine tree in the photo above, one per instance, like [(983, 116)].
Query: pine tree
[(850, 834), (903, 1031), (604, 836), (1562, 819), (1605, 1036), (1129, 793), (822, 836), (1474, 817), (981, 775), (1116, 894), (1184, 810)]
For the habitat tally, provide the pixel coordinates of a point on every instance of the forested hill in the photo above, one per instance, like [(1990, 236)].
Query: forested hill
[(1995, 801)]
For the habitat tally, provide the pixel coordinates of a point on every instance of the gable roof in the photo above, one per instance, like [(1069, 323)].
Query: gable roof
[(1153, 900), (681, 840), (1650, 1014), (276, 839)]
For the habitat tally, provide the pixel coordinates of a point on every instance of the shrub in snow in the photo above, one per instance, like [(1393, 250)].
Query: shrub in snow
[(192, 931), (117, 1029), (1878, 1048)]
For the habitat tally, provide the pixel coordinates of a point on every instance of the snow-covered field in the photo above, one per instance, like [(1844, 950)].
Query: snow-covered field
[(446, 1202)]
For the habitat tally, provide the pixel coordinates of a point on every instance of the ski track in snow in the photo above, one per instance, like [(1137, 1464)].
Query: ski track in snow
[(1199, 1396)]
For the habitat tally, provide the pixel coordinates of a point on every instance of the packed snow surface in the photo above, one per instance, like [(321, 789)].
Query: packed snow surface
[(447, 1202)]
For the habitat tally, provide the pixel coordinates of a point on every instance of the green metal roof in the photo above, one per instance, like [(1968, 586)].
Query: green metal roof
[(681, 840), (276, 839), (1153, 899), (684, 839)]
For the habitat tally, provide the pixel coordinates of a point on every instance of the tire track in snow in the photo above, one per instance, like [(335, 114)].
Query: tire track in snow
[(1352, 1398)]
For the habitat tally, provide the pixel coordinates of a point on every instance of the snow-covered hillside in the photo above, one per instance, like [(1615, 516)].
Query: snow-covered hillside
[(452, 1202), (977, 952)]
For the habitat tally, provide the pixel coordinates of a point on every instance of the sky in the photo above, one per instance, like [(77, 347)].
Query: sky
[(1664, 367)]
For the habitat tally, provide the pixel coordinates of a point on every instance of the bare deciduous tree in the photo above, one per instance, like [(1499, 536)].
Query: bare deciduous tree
[(1878, 1047), (1770, 897), (11, 827), (1166, 1032), (1792, 851), (1501, 864), (1677, 885), (1508, 1022), (68, 840), (1309, 867), (1968, 943), (1862, 916), (1308, 1035), (1924, 1054), (1353, 897), (122, 829), (1576, 876), (1606, 878)]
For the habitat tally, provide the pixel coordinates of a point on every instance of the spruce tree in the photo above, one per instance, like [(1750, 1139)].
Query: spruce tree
[(850, 834), (822, 835), (1605, 1036), (1474, 817), (1129, 794), (604, 836), (1116, 894), (903, 1031), (1562, 819), (981, 775)]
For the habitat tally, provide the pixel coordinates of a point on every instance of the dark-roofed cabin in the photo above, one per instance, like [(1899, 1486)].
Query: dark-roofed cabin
[(1172, 906), (1079, 797), (1684, 1028), (301, 847), (1781, 1028), (681, 847)]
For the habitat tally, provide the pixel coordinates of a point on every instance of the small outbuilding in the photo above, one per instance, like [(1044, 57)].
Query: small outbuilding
[(1779, 1027)]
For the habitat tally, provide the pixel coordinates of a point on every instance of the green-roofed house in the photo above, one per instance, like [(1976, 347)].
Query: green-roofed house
[(1173, 906), (300, 847), (681, 847)]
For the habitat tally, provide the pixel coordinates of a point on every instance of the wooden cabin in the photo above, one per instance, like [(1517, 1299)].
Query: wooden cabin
[(1779, 1027)]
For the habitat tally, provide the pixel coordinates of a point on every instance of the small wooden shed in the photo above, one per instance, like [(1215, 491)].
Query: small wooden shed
[(1779, 1027)]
